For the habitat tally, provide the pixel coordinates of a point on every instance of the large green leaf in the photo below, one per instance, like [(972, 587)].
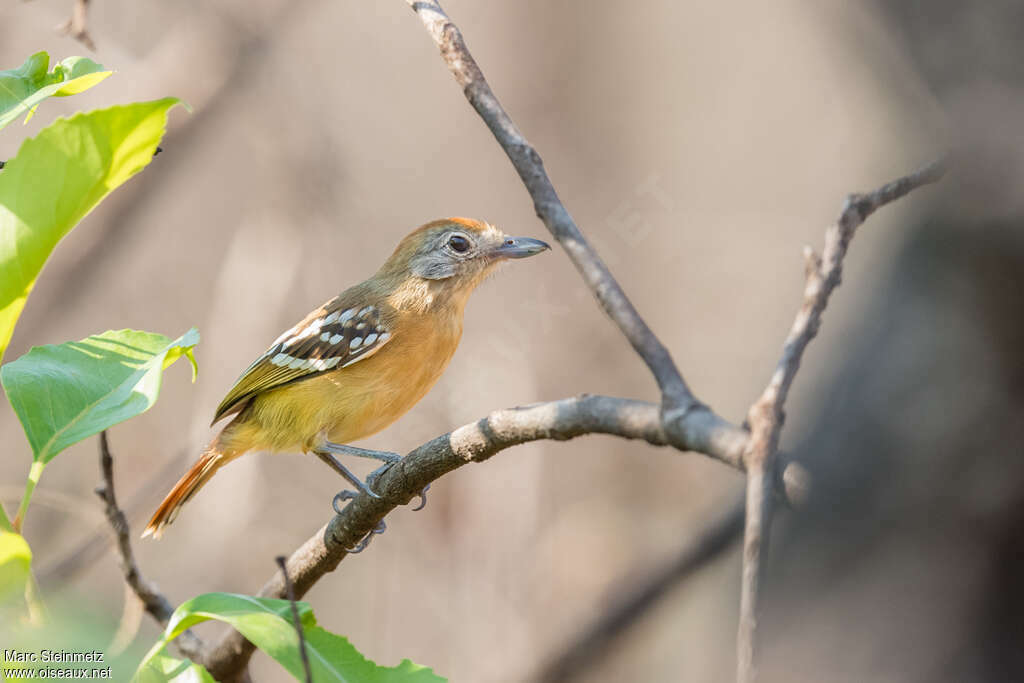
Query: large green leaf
[(56, 179), (267, 623), (23, 88), (65, 393), (15, 560)]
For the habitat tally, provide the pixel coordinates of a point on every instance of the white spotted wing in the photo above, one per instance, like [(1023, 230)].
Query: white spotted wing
[(331, 337)]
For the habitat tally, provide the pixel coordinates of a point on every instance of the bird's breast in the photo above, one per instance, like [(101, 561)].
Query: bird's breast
[(392, 381)]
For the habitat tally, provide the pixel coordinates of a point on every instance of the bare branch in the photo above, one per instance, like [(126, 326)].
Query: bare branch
[(586, 650), (474, 442), (77, 26), (755, 541), (152, 599), (767, 414), (92, 546), (824, 274)]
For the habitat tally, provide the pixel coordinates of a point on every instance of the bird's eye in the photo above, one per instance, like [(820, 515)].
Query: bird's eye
[(458, 243)]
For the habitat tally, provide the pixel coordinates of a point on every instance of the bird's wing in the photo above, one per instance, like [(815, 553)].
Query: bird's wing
[(334, 336)]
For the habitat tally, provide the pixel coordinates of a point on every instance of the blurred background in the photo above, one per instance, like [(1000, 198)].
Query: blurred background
[(700, 146)]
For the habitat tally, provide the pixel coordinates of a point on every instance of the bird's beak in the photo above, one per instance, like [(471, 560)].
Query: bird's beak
[(519, 247)]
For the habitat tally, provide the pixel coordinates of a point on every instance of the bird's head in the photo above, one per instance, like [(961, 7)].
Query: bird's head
[(457, 253)]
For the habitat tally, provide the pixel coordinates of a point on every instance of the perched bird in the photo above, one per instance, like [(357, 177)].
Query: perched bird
[(356, 364)]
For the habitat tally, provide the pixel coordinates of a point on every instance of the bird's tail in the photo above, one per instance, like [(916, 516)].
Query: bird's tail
[(212, 459)]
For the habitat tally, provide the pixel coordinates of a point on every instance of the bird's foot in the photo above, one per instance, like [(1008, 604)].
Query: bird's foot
[(361, 546), (326, 450), (343, 449), (340, 499)]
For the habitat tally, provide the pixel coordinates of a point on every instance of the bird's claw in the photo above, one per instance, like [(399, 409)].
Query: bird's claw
[(367, 488), (340, 498), (423, 499), (361, 546)]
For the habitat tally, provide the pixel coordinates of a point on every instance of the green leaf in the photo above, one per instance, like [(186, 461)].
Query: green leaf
[(65, 393), (164, 669), (267, 623), (23, 88), (15, 560), (343, 657), (57, 178)]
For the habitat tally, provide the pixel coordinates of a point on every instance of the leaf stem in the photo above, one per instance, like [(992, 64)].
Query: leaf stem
[(30, 485)]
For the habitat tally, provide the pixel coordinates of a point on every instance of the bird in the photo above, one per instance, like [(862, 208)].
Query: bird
[(357, 363)]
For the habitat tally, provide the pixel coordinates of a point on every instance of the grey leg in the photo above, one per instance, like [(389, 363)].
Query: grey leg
[(326, 456), (342, 449)]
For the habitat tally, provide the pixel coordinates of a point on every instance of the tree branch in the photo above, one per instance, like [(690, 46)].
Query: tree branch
[(767, 414), (77, 26), (152, 599), (91, 546), (474, 442)]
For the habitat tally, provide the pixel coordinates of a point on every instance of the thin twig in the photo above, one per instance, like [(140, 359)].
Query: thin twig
[(92, 546), (290, 592), (755, 541), (154, 601), (77, 26), (587, 649), (767, 414)]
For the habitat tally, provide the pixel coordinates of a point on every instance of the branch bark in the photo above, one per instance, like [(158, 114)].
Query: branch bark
[(767, 414)]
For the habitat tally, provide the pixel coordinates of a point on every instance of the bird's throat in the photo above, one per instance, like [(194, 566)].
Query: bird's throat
[(421, 296)]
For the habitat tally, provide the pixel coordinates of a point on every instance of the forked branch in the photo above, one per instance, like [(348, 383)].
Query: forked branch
[(767, 414)]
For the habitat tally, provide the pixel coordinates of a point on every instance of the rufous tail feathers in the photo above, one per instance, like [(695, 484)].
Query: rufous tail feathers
[(200, 473)]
